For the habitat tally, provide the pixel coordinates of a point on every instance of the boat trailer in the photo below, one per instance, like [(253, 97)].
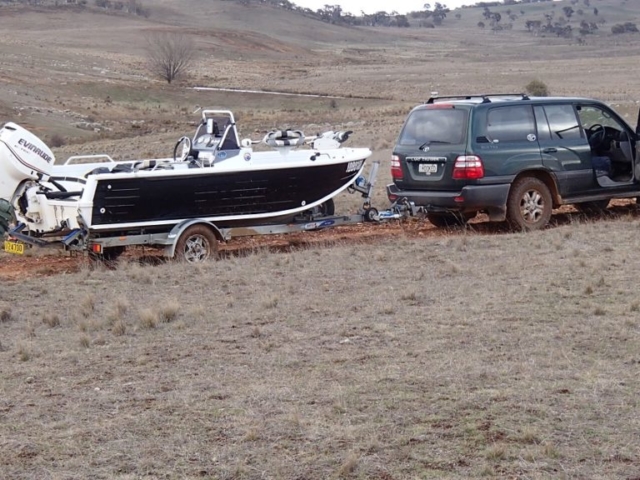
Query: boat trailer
[(109, 247)]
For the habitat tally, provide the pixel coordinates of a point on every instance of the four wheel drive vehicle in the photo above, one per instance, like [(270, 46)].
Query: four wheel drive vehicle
[(513, 157)]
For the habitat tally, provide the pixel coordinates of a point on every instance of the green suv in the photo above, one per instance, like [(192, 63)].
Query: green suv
[(513, 157)]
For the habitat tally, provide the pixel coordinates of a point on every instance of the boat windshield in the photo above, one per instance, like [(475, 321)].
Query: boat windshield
[(210, 132)]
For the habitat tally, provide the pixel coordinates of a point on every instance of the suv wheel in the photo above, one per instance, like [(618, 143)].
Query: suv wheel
[(529, 205)]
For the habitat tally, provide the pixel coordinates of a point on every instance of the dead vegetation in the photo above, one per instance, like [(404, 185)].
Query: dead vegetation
[(410, 355), (510, 356)]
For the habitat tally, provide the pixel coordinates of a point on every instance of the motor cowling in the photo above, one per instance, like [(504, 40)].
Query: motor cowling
[(23, 156)]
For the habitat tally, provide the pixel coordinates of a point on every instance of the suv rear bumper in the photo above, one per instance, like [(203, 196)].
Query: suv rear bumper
[(490, 198)]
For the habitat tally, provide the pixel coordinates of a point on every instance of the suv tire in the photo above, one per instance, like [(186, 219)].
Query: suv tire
[(529, 205)]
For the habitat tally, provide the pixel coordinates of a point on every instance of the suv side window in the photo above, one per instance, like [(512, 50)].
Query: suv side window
[(563, 122), (510, 124)]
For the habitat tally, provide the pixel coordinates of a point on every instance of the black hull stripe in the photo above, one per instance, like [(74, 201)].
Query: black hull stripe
[(262, 193)]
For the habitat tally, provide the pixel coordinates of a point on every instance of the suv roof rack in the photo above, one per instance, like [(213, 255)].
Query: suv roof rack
[(486, 97)]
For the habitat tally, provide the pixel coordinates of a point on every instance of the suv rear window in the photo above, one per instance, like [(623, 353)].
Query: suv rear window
[(433, 126)]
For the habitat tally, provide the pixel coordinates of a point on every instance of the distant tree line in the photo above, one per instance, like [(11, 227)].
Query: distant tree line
[(429, 17), (551, 24), (132, 7)]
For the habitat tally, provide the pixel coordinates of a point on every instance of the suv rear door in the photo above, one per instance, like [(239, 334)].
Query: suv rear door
[(504, 137), (431, 139)]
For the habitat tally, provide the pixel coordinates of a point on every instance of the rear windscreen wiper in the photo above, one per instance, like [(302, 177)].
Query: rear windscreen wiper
[(429, 142)]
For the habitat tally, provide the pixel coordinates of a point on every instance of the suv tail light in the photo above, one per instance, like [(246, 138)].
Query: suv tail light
[(467, 167), (396, 168)]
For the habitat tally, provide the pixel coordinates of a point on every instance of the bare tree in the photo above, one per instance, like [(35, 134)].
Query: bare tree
[(169, 55)]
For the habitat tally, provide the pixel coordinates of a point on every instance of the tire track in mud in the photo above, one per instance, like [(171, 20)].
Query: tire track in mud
[(43, 263), (38, 264)]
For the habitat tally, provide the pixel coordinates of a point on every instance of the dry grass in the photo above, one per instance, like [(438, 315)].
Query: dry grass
[(500, 356), (499, 367)]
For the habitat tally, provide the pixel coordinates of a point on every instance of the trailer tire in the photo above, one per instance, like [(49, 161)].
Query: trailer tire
[(325, 209), (328, 208), (197, 244)]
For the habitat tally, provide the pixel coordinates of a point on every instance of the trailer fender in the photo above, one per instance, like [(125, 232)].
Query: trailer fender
[(178, 230)]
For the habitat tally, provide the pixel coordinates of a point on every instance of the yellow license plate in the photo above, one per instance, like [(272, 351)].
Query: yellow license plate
[(14, 247)]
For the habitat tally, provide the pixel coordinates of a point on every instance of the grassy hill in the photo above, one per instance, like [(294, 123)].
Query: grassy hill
[(71, 64)]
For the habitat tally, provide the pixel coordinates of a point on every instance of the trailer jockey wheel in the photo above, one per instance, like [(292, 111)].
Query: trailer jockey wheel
[(370, 214), (197, 244), (184, 152)]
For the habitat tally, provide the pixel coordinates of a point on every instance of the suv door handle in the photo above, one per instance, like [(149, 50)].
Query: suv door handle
[(550, 150)]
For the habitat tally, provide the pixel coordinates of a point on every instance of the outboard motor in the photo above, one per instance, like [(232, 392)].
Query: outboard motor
[(23, 156)]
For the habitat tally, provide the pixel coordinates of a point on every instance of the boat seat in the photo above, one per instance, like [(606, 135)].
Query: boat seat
[(97, 171), (151, 165), (230, 141), (284, 138), (122, 167)]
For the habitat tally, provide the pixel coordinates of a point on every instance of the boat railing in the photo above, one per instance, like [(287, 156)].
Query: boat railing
[(206, 113), (80, 159)]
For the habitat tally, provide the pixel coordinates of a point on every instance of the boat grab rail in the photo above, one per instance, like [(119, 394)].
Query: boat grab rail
[(206, 113), (80, 159)]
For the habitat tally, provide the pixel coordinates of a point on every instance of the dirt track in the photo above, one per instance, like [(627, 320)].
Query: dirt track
[(44, 263), (41, 263)]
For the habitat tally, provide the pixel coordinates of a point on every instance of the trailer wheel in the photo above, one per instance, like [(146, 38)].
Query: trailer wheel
[(328, 208), (325, 209), (196, 244)]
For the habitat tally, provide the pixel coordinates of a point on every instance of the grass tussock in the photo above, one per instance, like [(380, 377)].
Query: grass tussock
[(457, 373), (24, 353), (271, 303), (51, 320), (88, 304), (169, 311), (84, 341), (122, 306), (148, 318), (5, 315), (119, 328), (349, 466)]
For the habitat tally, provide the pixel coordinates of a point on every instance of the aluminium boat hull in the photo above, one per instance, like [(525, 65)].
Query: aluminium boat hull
[(224, 198)]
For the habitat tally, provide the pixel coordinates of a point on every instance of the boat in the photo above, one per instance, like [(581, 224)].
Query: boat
[(213, 176)]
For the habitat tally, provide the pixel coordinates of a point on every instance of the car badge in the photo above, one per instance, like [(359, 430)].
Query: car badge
[(425, 148)]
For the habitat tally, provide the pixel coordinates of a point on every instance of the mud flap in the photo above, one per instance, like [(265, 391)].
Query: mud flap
[(6, 216)]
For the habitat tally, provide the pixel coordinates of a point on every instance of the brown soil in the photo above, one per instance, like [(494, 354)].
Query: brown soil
[(53, 263)]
